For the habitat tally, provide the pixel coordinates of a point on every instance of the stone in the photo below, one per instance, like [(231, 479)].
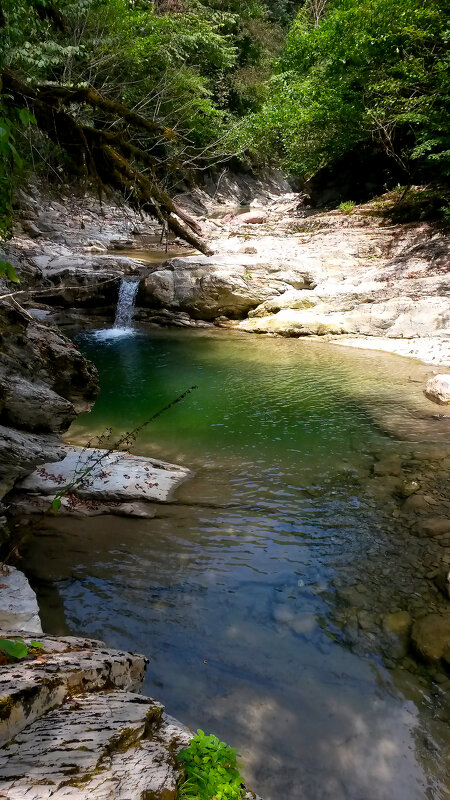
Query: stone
[(438, 389), (398, 623), (33, 405), (388, 466), (113, 476), (251, 217), (434, 526), (20, 452), (409, 488), (442, 581), (210, 287), (97, 746), (65, 666), (430, 636), (18, 604)]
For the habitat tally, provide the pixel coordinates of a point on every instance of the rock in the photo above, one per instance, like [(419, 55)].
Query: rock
[(66, 666), (438, 389), (416, 503), (442, 581), (431, 636), (33, 405), (251, 217), (209, 287), (409, 488), (117, 476), (103, 745), (434, 526), (398, 623), (18, 605), (20, 452), (31, 229)]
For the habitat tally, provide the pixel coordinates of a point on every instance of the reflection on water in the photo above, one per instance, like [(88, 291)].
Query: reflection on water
[(258, 595)]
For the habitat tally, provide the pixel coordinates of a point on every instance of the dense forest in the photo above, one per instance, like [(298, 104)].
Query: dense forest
[(139, 93)]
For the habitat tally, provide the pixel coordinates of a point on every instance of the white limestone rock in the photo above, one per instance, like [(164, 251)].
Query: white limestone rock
[(63, 667), (112, 476), (108, 745), (18, 605), (438, 389)]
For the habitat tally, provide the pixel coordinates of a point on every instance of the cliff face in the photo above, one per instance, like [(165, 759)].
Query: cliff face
[(44, 383)]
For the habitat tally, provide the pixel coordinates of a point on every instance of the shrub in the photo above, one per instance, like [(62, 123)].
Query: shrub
[(211, 770)]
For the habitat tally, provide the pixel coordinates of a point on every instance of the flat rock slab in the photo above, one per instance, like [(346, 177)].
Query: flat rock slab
[(63, 667), (107, 745), (107, 475), (18, 605)]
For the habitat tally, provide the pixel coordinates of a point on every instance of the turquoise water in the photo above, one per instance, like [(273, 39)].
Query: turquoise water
[(259, 593)]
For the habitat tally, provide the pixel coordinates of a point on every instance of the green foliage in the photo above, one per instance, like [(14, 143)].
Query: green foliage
[(211, 770), (347, 206), (16, 649), (375, 71)]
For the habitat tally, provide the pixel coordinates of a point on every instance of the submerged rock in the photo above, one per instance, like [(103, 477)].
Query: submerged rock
[(431, 636)]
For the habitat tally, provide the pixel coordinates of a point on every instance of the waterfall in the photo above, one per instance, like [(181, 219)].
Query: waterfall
[(125, 303)]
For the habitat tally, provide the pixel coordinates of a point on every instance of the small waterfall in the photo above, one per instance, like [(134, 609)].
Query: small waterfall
[(125, 303)]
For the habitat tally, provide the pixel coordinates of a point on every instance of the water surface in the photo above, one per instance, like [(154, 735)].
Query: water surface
[(259, 595)]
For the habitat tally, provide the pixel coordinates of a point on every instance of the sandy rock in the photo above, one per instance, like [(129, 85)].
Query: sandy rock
[(438, 389), (117, 476), (431, 636), (18, 605), (65, 666)]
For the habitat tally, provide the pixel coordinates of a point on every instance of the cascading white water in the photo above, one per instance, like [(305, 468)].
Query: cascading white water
[(125, 303)]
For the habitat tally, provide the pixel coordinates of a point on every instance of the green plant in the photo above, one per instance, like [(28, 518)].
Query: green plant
[(211, 770), (347, 206), (16, 649)]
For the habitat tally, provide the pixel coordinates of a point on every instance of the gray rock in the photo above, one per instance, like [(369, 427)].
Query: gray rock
[(18, 605), (33, 406), (21, 451)]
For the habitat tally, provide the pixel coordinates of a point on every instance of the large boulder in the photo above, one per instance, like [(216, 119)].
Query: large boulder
[(106, 476), (438, 389), (209, 287)]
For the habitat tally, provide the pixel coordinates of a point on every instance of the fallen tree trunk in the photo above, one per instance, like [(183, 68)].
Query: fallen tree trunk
[(109, 158)]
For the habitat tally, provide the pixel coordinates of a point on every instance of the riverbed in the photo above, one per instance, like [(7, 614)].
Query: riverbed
[(261, 593)]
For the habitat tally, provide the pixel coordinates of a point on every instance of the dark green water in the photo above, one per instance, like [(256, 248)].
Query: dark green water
[(259, 593)]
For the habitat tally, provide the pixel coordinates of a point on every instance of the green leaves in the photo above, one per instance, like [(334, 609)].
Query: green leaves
[(7, 271), (14, 648), (211, 770)]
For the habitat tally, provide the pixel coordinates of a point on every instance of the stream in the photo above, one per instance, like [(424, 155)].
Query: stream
[(260, 593)]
